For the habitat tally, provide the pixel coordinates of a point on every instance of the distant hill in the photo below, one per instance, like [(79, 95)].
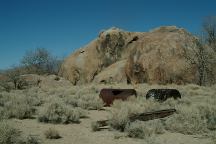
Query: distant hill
[(158, 56)]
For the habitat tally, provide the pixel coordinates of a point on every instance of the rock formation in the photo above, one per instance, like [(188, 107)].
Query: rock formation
[(158, 56)]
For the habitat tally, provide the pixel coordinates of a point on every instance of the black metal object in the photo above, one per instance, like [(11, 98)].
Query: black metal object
[(109, 95), (163, 94)]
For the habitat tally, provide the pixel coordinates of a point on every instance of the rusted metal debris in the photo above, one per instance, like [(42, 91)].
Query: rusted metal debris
[(109, 95), (152, 115), (143, 116), (163, 94)]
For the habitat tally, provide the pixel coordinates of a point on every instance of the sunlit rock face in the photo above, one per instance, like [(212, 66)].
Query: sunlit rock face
[(115, 55)]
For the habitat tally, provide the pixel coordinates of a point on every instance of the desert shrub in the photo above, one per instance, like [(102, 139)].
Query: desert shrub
[(139, 129), (90, 102), (209, 114), (33, 96), (87, 101), (119, 119), (187, 121), (32, 139), (1, 113), (17, 106), (82, 113), (2, 99), (136, 130), (34, 99), (58, 112), (9, 135), (213, 137), (85, 97), (52, 133), (122, 110), (18, 110), (5, 86), (72, 100), (95, 126)]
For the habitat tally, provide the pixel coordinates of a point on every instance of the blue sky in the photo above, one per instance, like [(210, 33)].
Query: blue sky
[(62, 26)]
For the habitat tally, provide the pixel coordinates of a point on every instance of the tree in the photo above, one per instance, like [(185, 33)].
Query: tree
[(41, 61), (209, 28), (204, 52), (14, 76)]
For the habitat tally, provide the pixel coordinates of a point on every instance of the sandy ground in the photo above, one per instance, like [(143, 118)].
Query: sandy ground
[(82, 133)]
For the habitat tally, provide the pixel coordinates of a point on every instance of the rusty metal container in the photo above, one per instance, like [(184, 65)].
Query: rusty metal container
[(109, 95)]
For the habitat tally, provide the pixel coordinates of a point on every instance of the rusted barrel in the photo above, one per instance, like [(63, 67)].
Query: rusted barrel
[(109, 95), (163, 94)]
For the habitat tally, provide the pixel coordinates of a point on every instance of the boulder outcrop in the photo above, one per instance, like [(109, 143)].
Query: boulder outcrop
[(158, 56)]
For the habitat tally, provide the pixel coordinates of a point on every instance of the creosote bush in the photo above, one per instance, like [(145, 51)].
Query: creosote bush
[(52, 133)]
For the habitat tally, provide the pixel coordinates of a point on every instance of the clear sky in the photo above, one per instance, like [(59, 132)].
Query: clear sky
[(62, 26)]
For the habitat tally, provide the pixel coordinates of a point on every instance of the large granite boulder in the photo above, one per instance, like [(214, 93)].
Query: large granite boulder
[(158, 56)]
